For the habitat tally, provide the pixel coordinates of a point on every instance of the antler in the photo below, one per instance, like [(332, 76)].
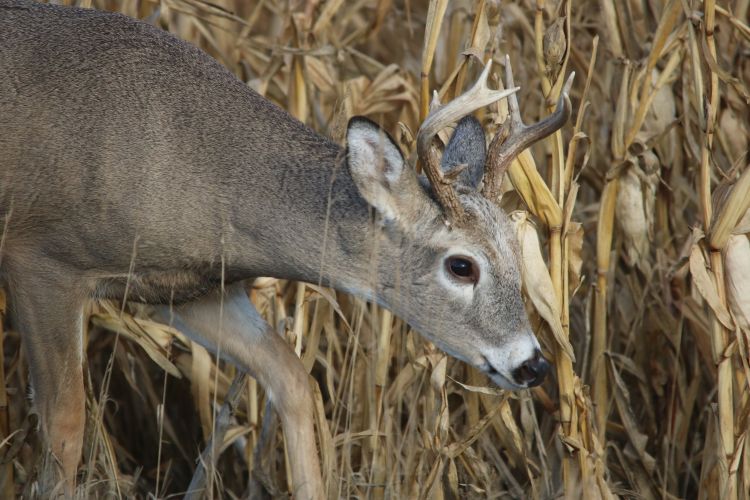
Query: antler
[(478, 96), (515, 136)]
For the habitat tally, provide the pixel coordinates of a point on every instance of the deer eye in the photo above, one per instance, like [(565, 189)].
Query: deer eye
[(463, 269)]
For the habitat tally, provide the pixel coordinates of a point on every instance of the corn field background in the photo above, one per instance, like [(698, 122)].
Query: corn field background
[(633, 222)]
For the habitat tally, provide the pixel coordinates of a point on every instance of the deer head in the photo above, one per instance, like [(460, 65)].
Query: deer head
[(446, 259)]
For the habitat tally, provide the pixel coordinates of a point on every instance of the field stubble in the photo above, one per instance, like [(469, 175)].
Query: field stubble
[(633, 222)]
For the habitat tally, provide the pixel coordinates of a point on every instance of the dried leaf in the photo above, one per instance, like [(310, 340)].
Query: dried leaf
[(735, 207), (575, 254), (637, 438), (705, 282), (117, 323), (537, 282), (743, 226), (533, 190), (490, 391), (200, 386)]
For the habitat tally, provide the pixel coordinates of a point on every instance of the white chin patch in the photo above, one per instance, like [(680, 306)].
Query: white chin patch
[(504, 360)]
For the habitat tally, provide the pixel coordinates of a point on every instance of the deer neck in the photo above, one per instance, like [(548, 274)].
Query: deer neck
[(311, 224)]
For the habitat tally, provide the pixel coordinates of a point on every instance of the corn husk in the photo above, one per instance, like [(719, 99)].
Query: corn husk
[(554, 46), (634, 214), (662, 113), (737, 273), (734, 129)]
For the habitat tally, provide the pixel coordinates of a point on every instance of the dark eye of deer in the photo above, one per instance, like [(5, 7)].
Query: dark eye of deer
[(464, 269)]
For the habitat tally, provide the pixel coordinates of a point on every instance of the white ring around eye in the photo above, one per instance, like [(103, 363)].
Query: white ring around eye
[(464, 290)]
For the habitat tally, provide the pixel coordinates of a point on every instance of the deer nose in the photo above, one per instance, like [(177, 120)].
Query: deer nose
[(532, 371)]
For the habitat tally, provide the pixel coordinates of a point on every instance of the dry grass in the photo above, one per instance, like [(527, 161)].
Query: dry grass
[(638, 205)]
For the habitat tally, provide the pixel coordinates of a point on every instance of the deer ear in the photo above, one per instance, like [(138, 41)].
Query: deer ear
[(467, 146), (376, 165)]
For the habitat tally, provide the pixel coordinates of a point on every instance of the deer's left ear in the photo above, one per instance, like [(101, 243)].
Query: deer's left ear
[(376, 164)]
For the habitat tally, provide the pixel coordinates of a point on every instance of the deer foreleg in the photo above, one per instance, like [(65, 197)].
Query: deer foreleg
[(46, 309)]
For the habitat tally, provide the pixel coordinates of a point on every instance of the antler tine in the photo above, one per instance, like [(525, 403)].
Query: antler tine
[(478, 96), (515, 136), (435, 103)]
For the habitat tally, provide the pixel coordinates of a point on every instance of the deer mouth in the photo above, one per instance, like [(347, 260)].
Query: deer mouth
[(498, 378)]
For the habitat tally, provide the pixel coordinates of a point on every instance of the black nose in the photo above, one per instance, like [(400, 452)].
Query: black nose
[(532, 371)]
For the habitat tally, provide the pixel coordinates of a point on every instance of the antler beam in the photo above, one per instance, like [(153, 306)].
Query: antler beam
[(478, 96), (515, 136)]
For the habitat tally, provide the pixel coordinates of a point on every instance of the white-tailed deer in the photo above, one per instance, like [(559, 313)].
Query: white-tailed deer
[(135, 167)]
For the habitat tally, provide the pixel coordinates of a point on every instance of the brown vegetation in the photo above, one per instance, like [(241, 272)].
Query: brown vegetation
[(641, 290)]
